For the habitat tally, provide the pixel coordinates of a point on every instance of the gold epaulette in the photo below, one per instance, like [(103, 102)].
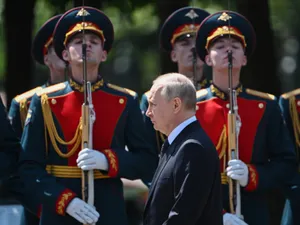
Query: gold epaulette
[(147, 94), (201, 93), (27, 94), (121, 89), (291, 93), (51, 89), (261, 94)]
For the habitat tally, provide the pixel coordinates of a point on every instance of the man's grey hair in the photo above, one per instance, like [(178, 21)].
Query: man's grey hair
[(177, 85)]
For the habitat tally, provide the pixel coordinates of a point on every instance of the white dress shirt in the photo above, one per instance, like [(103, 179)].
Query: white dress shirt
[(179, 128)]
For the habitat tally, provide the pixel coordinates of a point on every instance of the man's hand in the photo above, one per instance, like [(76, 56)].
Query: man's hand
[(82, 211), (89, 159), (238, 170), (231, 219)]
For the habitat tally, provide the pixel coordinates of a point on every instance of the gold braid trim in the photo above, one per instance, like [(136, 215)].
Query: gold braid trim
[(222, 142), (54, 137), (23, 111), (295, 120)]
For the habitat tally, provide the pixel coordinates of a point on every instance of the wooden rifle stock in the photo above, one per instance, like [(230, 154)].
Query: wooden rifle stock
[(233, 151)]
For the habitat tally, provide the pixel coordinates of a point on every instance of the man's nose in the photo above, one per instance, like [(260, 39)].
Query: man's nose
[(148, 113)]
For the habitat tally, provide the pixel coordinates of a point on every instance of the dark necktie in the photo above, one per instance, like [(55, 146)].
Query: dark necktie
[(164, 147)]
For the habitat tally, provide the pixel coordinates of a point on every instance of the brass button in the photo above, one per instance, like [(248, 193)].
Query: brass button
[(197, 107), (53, 101), (121, 101), (298, 103), (260, 105)]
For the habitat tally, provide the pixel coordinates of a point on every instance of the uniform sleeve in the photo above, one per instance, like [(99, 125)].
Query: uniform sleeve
[(281, 156), (9, 145), (285, 109), (14, 117), (195, 173), (141, 160), (52, 194)]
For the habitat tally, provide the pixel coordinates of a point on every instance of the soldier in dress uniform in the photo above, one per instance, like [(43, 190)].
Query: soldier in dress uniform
[(43, 53), (52, 161), (9, 146), (290, 106), (266, 156), (177, 37)]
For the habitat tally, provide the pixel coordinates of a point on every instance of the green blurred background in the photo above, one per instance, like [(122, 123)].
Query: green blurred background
[(136, 58)]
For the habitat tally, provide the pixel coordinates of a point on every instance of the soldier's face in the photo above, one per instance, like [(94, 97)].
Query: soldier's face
[(218, 54), (94, 49), (182, 54), (160, 111)]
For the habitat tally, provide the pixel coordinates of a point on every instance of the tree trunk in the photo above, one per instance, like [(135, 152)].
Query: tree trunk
[(164, 9), (261, 72), (18, 24)]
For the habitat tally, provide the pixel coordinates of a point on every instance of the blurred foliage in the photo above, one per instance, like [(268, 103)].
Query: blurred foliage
[(136, 51)]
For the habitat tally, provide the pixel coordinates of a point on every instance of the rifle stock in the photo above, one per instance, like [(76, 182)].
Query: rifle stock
[(88, 118), (233, 151)]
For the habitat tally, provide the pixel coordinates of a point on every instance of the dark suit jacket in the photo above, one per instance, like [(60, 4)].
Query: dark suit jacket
[(186, 188)]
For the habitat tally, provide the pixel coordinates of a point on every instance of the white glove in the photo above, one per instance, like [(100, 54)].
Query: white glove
[(89, 159), (231, 219), (82, 211), (238, 170)]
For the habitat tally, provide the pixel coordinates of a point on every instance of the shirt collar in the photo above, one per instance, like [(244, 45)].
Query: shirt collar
[(179, 128), (79, 87), (216, 91)]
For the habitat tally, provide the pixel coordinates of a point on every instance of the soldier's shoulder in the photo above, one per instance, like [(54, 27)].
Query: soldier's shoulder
[(291, 94), (147, 94), (52, 89), (202, 93), (123, 90), (260, 94), (26, 95)]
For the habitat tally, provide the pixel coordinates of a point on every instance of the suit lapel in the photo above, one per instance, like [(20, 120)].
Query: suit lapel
[(165, 157)]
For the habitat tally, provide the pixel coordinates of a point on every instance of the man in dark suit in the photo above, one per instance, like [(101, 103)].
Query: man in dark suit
[(186, 188)]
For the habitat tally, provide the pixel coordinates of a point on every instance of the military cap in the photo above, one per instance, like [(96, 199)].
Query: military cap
[(75, 20), (43, 39), (221, 24), (182, 23)]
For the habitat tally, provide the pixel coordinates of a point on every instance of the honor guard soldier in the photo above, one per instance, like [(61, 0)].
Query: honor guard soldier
[(43, 53), (246, 126), (9, 146), (53, 161), (177, 37), (290, 106)]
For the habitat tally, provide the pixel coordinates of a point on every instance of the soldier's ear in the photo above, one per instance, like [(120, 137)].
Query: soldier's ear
[(208, 60), (66, 55), (104, 56), (245, 60), (46, 59), (173, 56)]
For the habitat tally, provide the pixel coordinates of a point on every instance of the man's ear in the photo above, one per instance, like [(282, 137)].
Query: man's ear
[(177, 104), (245, 60), (66, 55), (104, 56), (208, 60), (174, 56), (46, 59)]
